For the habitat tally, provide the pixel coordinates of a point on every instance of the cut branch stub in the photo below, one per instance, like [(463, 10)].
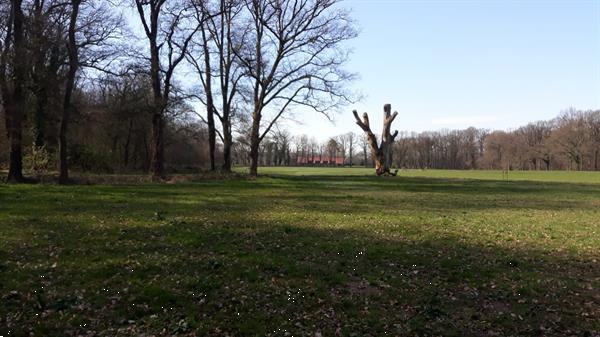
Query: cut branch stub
[(381, 153), (366, 119), (364, 123)]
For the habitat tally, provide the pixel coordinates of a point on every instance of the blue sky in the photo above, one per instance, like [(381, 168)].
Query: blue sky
[(454, 64)]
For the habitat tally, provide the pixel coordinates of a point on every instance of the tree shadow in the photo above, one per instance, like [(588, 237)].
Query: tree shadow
[(253, 278), (356, 195)]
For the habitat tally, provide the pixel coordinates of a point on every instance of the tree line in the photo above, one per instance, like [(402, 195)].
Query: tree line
[(82, 86), (570, 141)]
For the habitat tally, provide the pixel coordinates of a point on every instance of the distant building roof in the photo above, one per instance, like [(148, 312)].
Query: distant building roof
[(320, 160)]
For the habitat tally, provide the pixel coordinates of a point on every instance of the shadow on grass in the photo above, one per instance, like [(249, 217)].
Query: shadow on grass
[(256, 279), (449, 185), (357, 195)]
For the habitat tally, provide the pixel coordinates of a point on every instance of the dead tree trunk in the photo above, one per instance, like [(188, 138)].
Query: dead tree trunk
[(381, 153)]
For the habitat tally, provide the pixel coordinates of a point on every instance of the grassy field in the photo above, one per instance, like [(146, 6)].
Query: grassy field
[(305, 253), (550, 176)]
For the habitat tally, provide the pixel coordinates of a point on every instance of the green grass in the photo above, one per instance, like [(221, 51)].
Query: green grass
[(550, 176), (346, 255)]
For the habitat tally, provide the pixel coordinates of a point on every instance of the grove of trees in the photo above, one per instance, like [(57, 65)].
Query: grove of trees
[(119, 85), (568, 142)]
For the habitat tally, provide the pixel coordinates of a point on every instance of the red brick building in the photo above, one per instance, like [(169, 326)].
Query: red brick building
[(320, 161)]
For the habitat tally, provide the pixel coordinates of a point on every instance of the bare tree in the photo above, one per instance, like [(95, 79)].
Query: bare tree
[(401, 149), (70, 84), (281, 140), (303, 152), (535, 138), (313, 148), (502, 151), (592, 120), (351, 140), (364, 144), (47, 23), (124, 103), (91, 26), (342, 146), (295, 58), (169, 33), (570, 137), (333, 147), (204, 70), (381, 153), (219, 42)]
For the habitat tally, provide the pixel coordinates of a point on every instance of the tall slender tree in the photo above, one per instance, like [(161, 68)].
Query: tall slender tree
[(12, 69), (69, 86), (351, 139), (294, 57), (220, 22), (166, 26)]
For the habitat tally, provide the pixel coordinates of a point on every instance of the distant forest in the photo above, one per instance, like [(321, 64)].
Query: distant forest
[(570, 141), (80, 91)]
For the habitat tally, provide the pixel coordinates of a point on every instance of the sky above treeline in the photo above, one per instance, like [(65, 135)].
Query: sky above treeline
[(454, 64)]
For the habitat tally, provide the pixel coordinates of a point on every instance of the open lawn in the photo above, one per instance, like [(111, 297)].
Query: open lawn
[(550, 176), (305, 252)]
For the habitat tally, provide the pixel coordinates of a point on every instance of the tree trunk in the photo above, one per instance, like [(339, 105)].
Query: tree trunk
[(63, 177), (210, 107), (15, 171), (254, 144), (212, 135), (17, 101), (5, 90), (40, 116), (67, 106), (147, 155), (41, 72), (158, 146), (127, 145), (227, 142), (350, 154), (161, 78), (254, 159), (387, 138), (381, 154), (156, 143)]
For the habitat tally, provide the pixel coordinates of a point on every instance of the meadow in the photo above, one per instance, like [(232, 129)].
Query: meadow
[(541, 176), (305, 252)]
